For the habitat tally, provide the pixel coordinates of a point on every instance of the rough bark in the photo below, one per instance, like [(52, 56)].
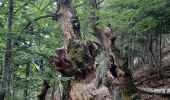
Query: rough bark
[(67, 18), (7, 61), (118, 61), (77, 59)]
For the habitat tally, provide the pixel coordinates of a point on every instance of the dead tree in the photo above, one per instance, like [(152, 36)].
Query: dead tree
[(77, 59)]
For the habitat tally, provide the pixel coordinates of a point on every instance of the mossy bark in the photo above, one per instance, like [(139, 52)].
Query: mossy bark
[(79, 59), (120, 61)]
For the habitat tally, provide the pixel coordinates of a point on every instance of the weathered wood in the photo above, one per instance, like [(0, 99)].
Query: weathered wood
[(117, 63), (69, 22), (161, 91), (77, 59)]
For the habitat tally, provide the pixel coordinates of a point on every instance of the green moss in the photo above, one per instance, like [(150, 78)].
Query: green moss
[(75, 54), (78, 53)]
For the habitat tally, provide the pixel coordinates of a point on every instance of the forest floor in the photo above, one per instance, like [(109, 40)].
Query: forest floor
[(149, 77)]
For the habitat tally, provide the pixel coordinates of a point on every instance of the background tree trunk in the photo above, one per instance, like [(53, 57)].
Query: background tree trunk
[(7, 60), (45, 88), (27, 72)]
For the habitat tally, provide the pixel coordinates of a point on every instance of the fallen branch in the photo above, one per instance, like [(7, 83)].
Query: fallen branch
[(160, 91)]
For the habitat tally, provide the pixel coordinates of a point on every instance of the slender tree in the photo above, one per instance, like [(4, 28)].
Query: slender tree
[(7, 61), (27, 72)]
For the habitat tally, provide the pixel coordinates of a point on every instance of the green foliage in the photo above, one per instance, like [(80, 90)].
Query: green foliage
[(131, 20), (33, 46)]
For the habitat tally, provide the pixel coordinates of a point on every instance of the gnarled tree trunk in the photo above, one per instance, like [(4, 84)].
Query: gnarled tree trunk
[(77, 59)]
